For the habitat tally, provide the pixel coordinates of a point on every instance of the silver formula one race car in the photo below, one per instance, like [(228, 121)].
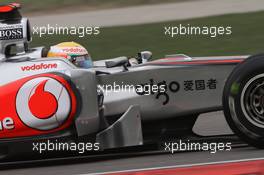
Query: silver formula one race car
[(44, 98)]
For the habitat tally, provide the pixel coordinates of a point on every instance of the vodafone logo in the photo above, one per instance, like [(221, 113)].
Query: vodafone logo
[(74, 50), (43, 103), (39, 67)]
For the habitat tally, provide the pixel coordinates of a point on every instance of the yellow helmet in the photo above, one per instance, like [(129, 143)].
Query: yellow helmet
[(72, 51)]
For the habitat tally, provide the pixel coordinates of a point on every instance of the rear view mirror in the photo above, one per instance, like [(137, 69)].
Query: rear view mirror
[(144, 56)]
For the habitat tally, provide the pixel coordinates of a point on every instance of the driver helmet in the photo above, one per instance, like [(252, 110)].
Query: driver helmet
[(73, 52)]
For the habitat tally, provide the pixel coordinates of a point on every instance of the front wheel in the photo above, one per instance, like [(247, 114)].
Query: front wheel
[(243, 100)]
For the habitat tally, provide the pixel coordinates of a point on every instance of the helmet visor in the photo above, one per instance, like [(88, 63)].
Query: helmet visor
[(83, 61)]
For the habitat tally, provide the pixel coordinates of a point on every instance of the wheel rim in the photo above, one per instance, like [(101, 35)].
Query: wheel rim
[(252, 100)]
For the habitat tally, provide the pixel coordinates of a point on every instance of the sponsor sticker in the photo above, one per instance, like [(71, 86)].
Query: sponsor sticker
[(39, 67), (48, 103), (7, 124), (10, 33), (36, 105)]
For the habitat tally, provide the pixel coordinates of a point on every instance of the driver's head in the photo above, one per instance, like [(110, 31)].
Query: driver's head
[(72, 51)]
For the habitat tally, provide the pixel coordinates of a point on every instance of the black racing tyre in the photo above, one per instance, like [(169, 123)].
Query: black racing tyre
[(243, 100)]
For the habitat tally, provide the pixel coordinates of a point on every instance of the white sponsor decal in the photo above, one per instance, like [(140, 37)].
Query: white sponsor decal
[(9, 32), (7, 124), (43, 103)]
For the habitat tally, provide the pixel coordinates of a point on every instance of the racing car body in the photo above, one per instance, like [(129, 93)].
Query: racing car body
[(113, 104), (193, 86)]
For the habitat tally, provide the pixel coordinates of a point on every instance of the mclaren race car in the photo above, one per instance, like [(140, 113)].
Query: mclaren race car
[(43, 99)]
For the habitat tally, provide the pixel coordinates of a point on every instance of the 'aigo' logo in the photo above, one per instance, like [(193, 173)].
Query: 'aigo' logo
[(43, 103)]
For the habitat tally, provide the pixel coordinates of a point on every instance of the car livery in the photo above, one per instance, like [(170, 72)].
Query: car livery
[(36, 105), (44, 98)]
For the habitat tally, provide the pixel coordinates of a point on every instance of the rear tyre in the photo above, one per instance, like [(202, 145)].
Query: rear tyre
[(243, 100)]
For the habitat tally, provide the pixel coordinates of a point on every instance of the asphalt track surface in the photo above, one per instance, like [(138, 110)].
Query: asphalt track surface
[(143, 159), (149, 13), (132, 162)]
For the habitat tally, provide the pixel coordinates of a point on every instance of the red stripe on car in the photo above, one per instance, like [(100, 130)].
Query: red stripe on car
[(193, 62)]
